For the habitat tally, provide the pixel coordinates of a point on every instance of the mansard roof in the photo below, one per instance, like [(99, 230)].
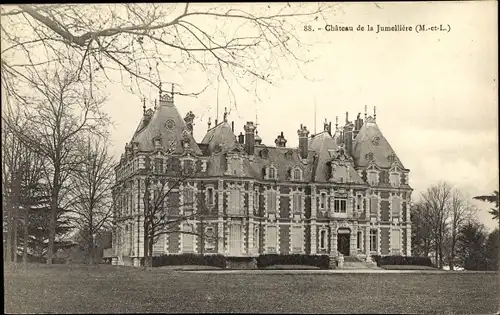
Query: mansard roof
[(370, 142), (323, 144), (221, 135), (167, 124)]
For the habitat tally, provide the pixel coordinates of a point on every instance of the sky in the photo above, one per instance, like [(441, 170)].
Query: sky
[(435, 92)]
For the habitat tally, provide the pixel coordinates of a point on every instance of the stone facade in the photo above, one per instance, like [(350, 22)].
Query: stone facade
[(342, 191)]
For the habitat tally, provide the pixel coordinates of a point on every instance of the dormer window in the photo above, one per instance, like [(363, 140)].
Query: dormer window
[(372, 178), (297, 174), (272, 173), (370, 156), (264, 154), (395, 179), (391, 158), (157, 142), (288, 155)]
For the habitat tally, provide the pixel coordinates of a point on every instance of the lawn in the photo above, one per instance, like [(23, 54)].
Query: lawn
[(109, 289)]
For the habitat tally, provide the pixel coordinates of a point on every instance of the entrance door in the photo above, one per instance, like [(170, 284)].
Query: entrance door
[(343, 245)]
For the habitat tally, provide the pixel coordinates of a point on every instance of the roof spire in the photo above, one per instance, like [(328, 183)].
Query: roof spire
[(374, 113), (172, 92), (144, 105), (209, 122), (225, 114), (365, 111), (336, 122)]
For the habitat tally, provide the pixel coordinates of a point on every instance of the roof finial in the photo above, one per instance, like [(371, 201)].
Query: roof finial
[(209, 122), (159, 90), (172, 92), (155, 104), (225, 114), (366, 108), (375, 113), (144, 105), (336, 122), (346, 118)]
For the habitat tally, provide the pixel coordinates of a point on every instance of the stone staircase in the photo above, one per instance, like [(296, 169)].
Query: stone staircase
[(352, 262)]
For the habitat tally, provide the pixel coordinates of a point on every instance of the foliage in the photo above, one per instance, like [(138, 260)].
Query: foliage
[(321, 261), (471, 247), (492, 249)]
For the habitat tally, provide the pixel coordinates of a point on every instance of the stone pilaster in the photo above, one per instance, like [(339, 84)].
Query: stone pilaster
[(379, 239), (408, 240), (313, 201), (354, 239), (220, 197), (333, 238), (367, 243)]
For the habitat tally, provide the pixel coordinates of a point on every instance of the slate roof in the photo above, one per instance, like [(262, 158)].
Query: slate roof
[(371, 139), (167, 123)]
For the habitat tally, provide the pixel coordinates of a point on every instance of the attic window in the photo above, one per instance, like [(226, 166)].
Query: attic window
[(376, 141), (263, 154), (288, 155), (369, 156)]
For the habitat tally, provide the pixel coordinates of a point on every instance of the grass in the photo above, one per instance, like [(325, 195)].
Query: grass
[(110, 289)]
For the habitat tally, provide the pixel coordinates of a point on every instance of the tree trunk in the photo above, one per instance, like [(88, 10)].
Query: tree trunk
[(53, 220), (14, 237), (8, 245), (150, 252), (25, 236)]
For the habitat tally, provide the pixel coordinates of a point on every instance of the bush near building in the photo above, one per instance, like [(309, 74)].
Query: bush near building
[(320, 261), (402, 260), (262, 261)]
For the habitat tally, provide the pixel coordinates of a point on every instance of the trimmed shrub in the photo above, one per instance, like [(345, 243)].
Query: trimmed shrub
[(320, 261), (241, 262), (189, 259), (404, 260)]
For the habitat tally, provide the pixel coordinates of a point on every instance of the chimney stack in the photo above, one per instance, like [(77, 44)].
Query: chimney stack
[(249, 137), (241, 138), (232, 126), (280, 140), (189, 120), (303, 133), (348, 136)]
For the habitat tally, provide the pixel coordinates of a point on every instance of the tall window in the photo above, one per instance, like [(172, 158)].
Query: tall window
[(359, 202), (373, 240), (188, 202), (271, 201), (210, 196), (359, 240), (256, 237), (256, 199), (297, 239), (297, 203), (187, 239), (158, 165), (234, 201), (272, 239), (322, 239), (209, 238), (374, 205), (322, 201), (396, 240), (340, 205), (396, 206)]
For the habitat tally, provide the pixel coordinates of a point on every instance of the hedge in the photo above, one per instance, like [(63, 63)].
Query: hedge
[(321, 261), (402, 260), (189, 259)]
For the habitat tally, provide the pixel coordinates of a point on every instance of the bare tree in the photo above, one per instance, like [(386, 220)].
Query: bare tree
[(436, 199), (460, 213), (90, 192), (139, 42), (60, 109), (421, 230)]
